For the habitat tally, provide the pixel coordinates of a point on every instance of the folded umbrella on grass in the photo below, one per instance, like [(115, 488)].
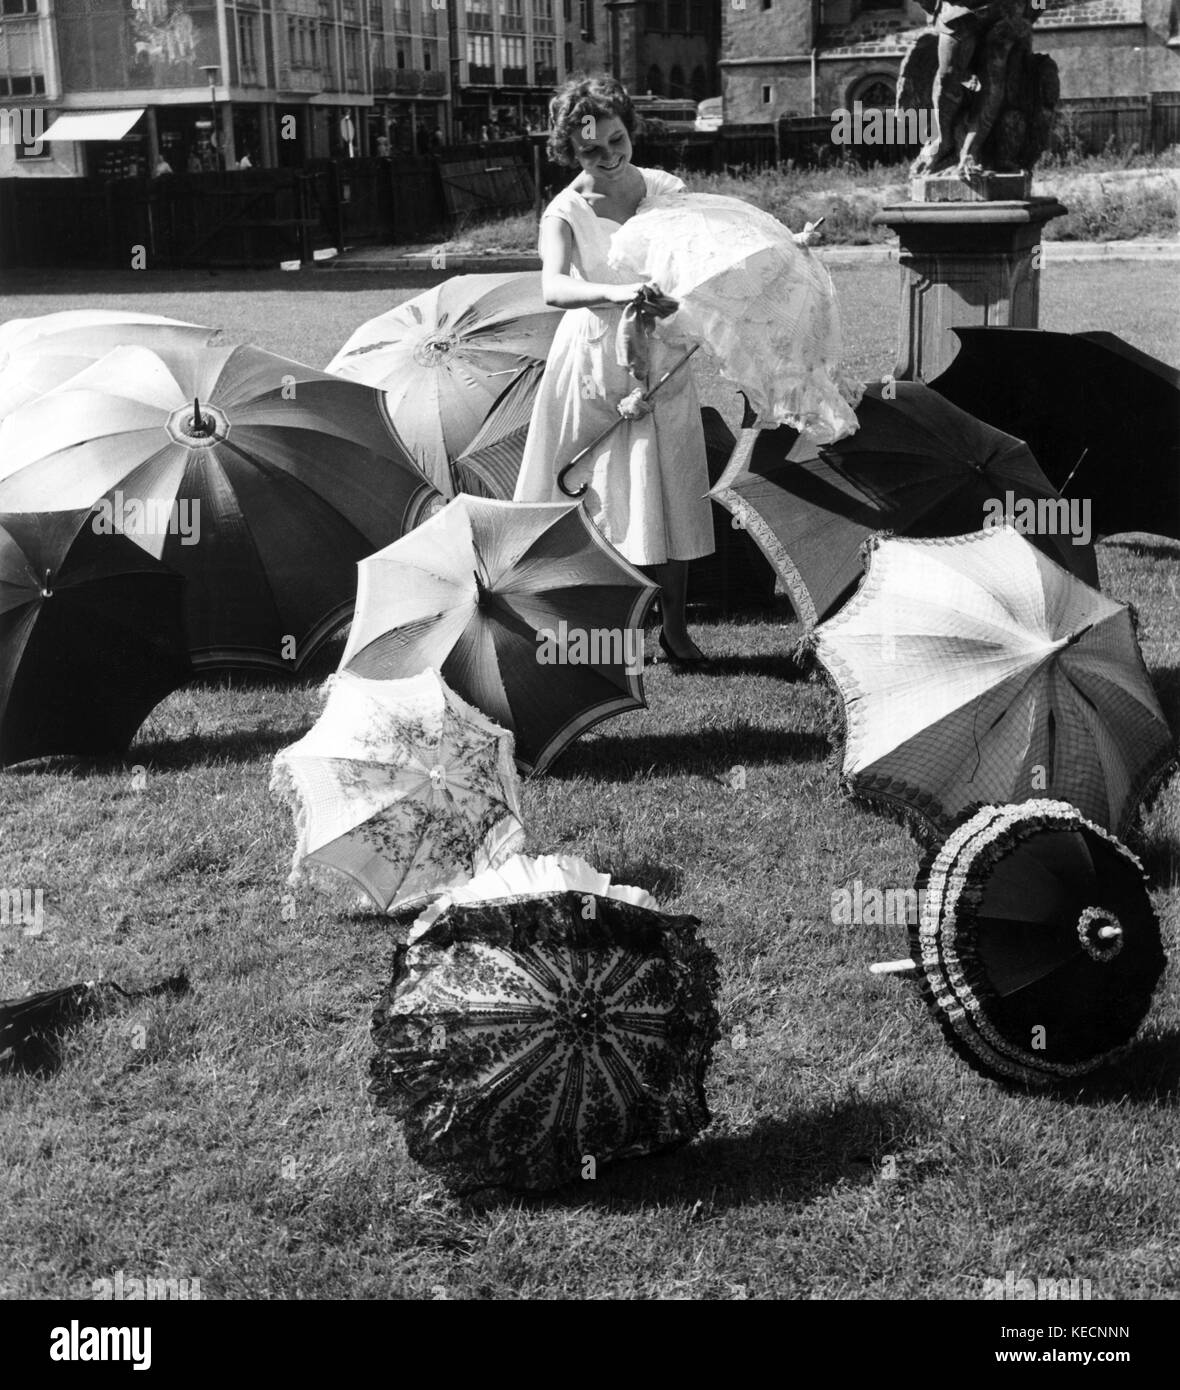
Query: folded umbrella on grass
[(262, 481), (29, 1027), (38, 354), (402, 787), (1037, 944), (917, 466), (540, 1019), (1102, 418), (444, 357), (91, 637), (525, 610), (975, 670)]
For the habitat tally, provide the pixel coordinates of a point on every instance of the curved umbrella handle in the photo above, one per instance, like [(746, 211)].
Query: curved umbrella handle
[(573, 463), (614, 426)]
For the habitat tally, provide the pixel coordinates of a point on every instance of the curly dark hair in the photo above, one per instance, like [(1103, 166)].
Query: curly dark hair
[(598, 94)]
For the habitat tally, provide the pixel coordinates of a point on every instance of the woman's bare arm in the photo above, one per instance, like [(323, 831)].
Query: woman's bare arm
[(559, 287)]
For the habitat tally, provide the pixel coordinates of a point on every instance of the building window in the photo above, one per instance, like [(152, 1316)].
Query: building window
[(430, 55), (569, 57), (480, 60), (876, 91), (676, 10), (767, 94), (766, 4), (586, 19), (655, 81), (479, 15), (696, 16), (14, 7), (700, 84), (31, 85), (247, 48), (544, 56), (654, 12), (543, 22), (512, 56), (676, 82), (352, 55), (401, 57), (512, 16)]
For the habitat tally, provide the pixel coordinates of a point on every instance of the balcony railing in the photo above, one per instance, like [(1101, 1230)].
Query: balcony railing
[(409, 82), (479, 72), (516, 77), (546, 77), (300, 79)]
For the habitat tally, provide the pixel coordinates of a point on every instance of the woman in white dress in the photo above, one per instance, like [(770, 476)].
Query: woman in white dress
[(646, 482)]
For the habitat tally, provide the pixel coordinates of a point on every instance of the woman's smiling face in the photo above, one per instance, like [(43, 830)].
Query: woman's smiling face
[(602, 147)]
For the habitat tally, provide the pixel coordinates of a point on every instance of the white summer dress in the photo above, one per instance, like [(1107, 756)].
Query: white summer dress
[(647, 480)]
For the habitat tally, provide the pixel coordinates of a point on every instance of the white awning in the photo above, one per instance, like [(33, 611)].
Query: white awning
[(92, 125)]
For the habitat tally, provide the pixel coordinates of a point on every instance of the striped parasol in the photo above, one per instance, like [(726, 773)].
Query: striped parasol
[(1037, 943)]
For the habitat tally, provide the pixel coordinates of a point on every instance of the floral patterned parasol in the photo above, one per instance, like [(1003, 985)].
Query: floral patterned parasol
[(401, 786)]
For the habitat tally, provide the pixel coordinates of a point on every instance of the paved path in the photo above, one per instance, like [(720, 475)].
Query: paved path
[(389, 258)]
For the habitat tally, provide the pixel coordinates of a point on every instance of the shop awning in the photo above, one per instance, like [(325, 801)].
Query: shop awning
[(92, 125)]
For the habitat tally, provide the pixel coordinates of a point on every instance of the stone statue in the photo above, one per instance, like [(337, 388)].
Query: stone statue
[(992, 97)]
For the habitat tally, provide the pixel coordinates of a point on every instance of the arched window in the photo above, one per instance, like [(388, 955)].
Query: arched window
[(876, 90), (655, 81), (676, 82), (700, 84)]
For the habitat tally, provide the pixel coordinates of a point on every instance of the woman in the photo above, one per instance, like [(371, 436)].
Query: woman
[(646, 481)]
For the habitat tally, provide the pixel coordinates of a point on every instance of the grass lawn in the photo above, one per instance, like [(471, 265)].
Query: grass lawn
[(851, 1153)]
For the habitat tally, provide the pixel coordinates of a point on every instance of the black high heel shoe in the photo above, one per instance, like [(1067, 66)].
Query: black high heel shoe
[(687, 663)]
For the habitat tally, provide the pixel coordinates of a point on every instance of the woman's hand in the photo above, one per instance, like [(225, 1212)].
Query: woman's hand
[(646, 297)]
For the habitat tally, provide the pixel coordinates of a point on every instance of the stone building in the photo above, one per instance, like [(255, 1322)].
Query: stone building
[(668, 48), (813, 57)]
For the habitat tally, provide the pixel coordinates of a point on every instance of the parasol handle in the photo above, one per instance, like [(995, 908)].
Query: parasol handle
[(894, 967), (614, 425)]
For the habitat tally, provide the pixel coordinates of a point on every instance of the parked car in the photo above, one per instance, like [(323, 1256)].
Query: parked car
[(709, 115)]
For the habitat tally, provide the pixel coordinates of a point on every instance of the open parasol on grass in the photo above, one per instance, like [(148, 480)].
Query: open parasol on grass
[(525, 610), (917, 466), (975, 670), (1102, 418), (1036, 944), (261, 481), (37, 354), (91, 637), (543, 1022), (445, 356), (402, 787)]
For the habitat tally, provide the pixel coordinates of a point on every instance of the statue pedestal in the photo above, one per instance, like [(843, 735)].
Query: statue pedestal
[(963, 264)]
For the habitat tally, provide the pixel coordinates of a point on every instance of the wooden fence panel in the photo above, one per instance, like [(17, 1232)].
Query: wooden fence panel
[(489, 185)]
